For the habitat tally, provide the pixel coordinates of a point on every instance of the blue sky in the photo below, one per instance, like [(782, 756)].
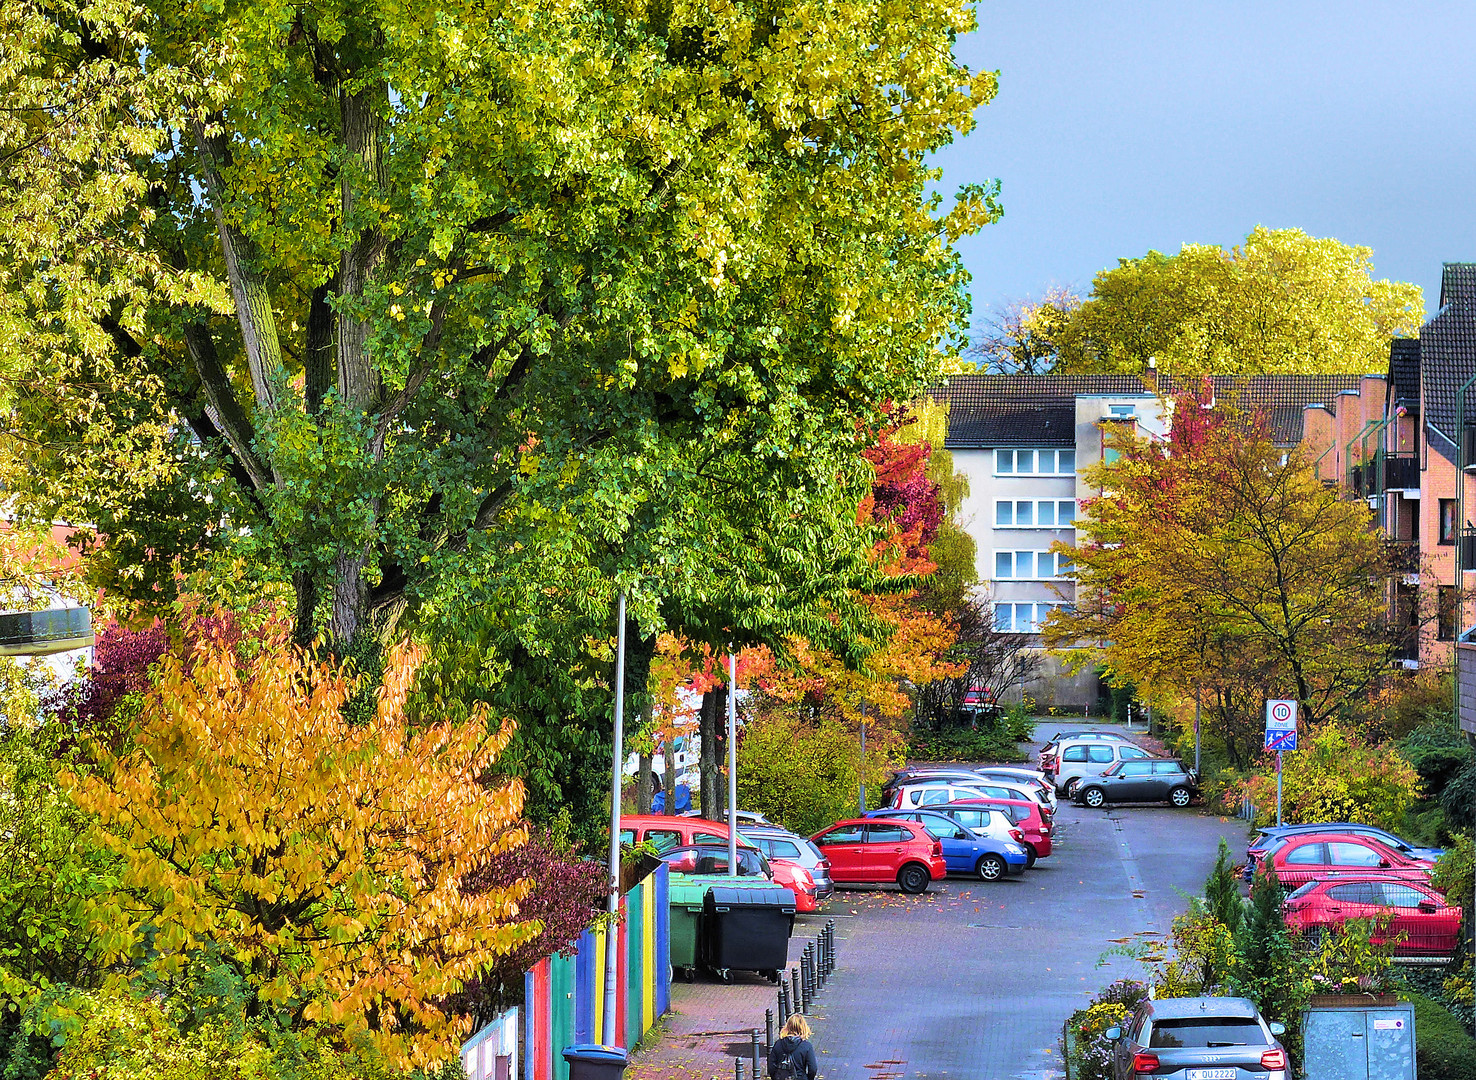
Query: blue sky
[(1121, 127)]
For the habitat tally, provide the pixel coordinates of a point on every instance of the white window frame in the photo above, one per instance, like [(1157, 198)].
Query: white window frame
[(1040, 610), (1035, 459), (1057, 562), (1035, 504)]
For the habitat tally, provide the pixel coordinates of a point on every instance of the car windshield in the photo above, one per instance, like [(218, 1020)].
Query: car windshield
[(713, 860), (1206, 1031), (1302, 890)]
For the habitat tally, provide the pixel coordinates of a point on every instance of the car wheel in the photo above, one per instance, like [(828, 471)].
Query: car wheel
[(913, 878), (1030, 856), (1094, 797), (1180, 796), (991, 867), (1072, 787)]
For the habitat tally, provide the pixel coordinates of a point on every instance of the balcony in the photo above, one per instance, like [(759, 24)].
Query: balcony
[(1467, 547), (1403, 556), (1355, 480), (1401, 471)]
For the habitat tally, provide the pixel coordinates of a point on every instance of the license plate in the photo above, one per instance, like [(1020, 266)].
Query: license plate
[(1212, 1074)]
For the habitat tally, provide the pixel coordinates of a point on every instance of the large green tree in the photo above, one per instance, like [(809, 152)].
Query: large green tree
[(1216, 563), (1283, 301), (458, 301)]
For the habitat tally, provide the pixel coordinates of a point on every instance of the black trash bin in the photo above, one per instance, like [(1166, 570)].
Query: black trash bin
[(747, 929), (591, 1061)]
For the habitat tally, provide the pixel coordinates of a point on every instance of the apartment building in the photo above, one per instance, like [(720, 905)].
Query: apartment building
[(1406, 461), (1024, 442)]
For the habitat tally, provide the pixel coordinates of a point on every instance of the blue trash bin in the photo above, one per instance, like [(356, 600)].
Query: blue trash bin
[(591, 1061)]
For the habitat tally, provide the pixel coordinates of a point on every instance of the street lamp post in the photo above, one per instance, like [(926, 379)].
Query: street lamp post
[(607, 1034)]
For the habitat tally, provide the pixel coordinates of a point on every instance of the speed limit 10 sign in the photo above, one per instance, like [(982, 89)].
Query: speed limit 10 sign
[(1281, 715)]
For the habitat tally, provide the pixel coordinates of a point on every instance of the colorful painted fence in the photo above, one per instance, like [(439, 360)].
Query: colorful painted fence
[(564, 996)]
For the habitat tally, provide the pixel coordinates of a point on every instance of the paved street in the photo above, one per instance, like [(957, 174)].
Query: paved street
[(971, 980), (974, 980)]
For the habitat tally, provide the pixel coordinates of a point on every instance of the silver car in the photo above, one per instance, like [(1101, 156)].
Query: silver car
[(780, 843), (1198, 1038)]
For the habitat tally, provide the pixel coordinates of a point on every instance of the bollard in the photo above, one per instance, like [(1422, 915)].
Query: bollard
[(737, 1069), (811, 984), (768, 1031), (755, 1054), (797, 980)]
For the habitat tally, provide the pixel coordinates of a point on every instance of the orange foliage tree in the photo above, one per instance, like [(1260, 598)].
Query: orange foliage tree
[(325, 861)]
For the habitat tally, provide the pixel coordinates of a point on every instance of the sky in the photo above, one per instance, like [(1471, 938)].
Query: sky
[(1130, 126)]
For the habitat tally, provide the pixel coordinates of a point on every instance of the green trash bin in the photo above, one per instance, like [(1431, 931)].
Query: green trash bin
[(685, 895)]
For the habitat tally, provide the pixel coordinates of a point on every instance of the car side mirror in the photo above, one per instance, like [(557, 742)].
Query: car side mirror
[(1277, 1028), (1427, 906), (1113, 1034)]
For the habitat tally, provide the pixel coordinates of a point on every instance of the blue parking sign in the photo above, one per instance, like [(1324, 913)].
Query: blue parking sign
[(1281, 725)]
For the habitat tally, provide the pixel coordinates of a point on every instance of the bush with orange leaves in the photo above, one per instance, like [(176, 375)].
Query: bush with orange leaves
[(324, 861)]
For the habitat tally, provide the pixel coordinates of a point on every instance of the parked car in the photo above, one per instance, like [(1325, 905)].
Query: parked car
[(705, 860), (925, 793), (1198, 1038), (980, 701), (1155, 780), (1411, 913), (1028, 817), (966, 851), (1315, 856), (1048, 751), (1026, 778), (777, 843), (916, 775), (879, 852), (1079, 761), (665, 833), (1273, 836)]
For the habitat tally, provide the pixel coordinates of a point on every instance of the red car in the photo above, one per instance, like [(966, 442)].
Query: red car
[(665, 833), (1399, 909), (1314, 856), (1032, 819), (875, 851)]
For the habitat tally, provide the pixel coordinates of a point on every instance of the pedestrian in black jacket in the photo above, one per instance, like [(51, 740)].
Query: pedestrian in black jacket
[(792, 1057)]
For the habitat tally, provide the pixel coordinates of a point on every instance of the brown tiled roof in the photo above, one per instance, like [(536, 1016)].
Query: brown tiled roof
[(1039, 410)]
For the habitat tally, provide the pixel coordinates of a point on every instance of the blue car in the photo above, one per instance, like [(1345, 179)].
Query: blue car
[(965, 851), (1272, 837)]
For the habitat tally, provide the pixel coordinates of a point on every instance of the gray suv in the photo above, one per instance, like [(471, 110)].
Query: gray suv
[(1199, 1038), (1153, 780)]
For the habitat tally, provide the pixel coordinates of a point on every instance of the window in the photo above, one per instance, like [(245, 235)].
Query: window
[(627, 836), (1355, 892), (1353, 855), (971, 818), (1405, 896), (1161, 767), (1034, 513), (1034, 462), (1019, 618), (1029, 566), (887, 834), (1127, 752), (1445, 605), (1099, 755), (1171, 1033), (1075, 753), (782, 849), (1136, 768), (849, 834), (1447, 521), (1306, 855), (1122, 411), (936, 795), (661, 839), (708, 838)]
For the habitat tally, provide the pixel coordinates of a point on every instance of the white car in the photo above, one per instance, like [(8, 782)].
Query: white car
[(1026, 778), (1077, 761), (912, 796)]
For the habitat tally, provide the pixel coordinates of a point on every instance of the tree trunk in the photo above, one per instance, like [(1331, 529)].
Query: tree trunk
[(714, 706), (643, 784), (358, 380), (669, 771)]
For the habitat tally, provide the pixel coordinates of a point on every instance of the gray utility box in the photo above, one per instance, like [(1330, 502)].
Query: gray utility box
[(1353, 1042)]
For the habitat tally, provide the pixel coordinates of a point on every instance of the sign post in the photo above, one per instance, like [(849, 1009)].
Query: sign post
[(1281, 736)]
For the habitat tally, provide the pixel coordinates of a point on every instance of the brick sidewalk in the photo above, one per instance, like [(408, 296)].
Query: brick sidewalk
[(710, 1021)]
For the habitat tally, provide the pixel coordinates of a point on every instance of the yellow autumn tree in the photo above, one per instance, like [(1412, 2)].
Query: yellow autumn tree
[(324, 861)]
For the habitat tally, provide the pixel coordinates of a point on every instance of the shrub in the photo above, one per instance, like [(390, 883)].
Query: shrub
[(1443, 1048), (1089, 1053), (1337, 776), (965, 744), (806, 775)]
